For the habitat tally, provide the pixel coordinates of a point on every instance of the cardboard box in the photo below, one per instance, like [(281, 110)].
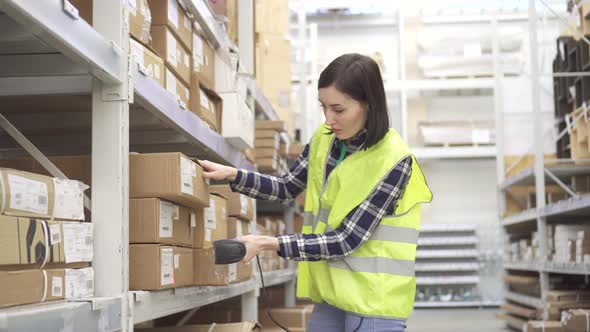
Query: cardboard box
[(140, 20), (149, 62), (27, 194), (203, 71), (266, 153), (207, 273), (237, 228), (267, 164), (34, 286), (297, 317), (237, 121), (272, 16), (32, 243), (250, 155), (178, 89), (232, 20), (267, 143), (266, 133), (238, 205), (544, 326), (152, 220), (576, 320), (265, 125), (210, 223), (169, 13), (233, 327), (140, 17), (208, 106), (153, 267), (175, 56), (170, 176)]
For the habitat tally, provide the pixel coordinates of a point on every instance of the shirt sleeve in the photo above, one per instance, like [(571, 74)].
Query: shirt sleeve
[(357, 226), (274, 188)]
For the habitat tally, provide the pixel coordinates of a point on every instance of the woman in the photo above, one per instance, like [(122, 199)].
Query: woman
[(362, 210)]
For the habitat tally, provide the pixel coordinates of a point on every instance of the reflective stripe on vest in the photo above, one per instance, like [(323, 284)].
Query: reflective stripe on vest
[(375, 265)]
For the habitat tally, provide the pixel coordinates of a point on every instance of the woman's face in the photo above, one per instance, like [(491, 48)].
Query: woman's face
[(344, 115)]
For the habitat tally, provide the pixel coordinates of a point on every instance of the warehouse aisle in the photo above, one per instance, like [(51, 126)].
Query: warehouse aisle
[(455, 320)]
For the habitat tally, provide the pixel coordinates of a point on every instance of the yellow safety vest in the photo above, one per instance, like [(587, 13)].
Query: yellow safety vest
[(376, 280)]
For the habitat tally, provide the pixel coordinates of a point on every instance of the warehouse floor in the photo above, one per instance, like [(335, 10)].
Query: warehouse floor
[(455, 320)]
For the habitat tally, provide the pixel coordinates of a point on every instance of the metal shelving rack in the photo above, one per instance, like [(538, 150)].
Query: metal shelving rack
[(113, 108), (538, 175)]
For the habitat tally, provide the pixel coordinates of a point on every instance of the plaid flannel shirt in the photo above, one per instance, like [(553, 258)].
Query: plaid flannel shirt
[(357, 226)]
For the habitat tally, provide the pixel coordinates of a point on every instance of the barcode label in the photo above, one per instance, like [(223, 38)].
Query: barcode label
[(56, 287), (186, 176), (167, 266), (55, 231), (28, 195)]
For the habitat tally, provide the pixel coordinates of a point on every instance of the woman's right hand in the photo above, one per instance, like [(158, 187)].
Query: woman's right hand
[(216, 171)]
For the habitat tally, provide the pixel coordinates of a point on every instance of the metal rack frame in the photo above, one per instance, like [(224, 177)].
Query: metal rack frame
[(94, 60), (543, 213)]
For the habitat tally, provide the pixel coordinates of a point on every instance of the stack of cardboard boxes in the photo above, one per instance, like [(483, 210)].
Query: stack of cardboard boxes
[(45, 245), (167, 193), (271, 226), (267, 146), (171, 49), (273, 56), (571, 243), (232, 327), (240, 213)]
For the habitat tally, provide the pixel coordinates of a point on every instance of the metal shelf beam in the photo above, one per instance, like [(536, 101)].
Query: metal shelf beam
[(468, 152), (164, 106), (527, 176), (70, 35), (452, 304), (148, 305), (530, 301), (552, 267), (443, 84)]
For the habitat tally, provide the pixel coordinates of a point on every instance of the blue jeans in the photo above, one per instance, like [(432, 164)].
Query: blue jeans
[(327, 318)]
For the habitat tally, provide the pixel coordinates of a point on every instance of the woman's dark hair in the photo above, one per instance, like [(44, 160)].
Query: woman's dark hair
[(359, 77)]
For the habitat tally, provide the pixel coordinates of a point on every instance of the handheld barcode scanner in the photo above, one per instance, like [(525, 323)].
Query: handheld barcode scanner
[(228, 251), (232, 251)]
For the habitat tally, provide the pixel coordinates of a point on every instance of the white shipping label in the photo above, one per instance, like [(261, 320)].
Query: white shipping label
[(239, 230), (28, 195), (481, 136), (167, 266), (132, 7), (69, 199), (57, 286), (167, 212), (472, 50), (170, 82), (137, 52), (187, 96), (78, 241), (243, 205), (156, 72), (193, 220), (55, 232), (232, 272), (187, 60), (79, 283), (207, 234), (171, 50), (204, 100), (176, 262), (173, 12), (186, 176), (197, 53), (210, 217)]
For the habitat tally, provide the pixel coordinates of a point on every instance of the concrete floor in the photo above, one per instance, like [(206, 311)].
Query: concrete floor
[(455, 320)]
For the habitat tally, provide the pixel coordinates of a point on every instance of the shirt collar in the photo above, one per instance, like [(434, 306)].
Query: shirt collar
[(356, 142)]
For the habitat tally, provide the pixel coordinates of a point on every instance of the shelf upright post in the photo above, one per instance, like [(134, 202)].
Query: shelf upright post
[(110, 165), (245, 34), (302, 36), (288, 216), (249, 300), (538, 141)]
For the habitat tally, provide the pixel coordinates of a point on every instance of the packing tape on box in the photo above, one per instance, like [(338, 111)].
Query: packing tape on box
[(45, 281), (4, 191), (46, 234)]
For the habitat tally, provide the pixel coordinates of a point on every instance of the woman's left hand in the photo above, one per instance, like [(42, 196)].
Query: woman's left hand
[(257, 243)]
